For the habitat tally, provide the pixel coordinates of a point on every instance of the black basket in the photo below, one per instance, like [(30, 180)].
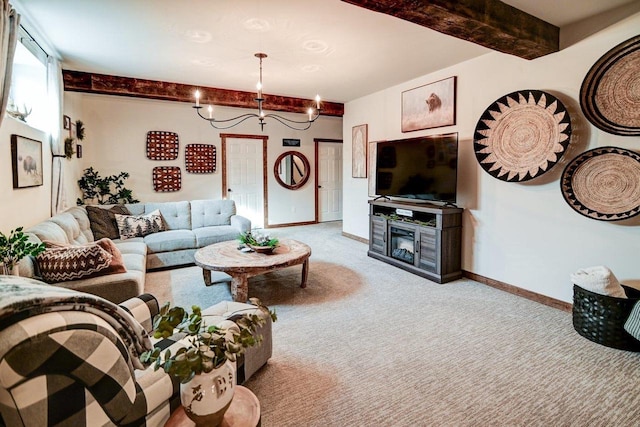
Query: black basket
[(601, 318)]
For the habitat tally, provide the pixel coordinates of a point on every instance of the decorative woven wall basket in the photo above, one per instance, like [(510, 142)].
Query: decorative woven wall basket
[(522, 135), (167, 179), (603, 184), (162, 145), (610, 92), (601, 318)]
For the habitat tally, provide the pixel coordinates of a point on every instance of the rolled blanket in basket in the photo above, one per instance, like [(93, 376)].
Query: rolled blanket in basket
[(632, 325), (598, 279)]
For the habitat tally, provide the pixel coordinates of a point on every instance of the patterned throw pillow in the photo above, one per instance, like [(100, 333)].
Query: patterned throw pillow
[(102, 221), (117, 262), (139, 225), (73, 262)]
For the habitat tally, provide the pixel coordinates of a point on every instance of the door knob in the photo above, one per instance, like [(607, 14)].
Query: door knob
[(319, 186), (228, 190)]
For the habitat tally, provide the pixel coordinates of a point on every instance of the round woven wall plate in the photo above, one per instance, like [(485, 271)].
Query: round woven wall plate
[(603, 183), (522, 135), (610, 92)]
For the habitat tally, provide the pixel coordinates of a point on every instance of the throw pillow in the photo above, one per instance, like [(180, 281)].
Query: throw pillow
[(600, 280), (102, 221), (72, 263), (139, 225), (117, 262)]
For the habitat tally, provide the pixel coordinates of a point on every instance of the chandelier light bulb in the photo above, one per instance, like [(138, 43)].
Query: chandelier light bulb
[(310, 114), (318, 102), (210, 109), (197, 98)]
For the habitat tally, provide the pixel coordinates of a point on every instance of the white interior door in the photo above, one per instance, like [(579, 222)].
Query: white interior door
[(243, 167), (329, 181)]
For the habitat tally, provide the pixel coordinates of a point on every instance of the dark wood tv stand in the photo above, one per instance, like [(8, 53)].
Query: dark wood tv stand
[(422, 238)]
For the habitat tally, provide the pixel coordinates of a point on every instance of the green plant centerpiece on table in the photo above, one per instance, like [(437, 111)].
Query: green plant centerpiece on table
[(15, 247), (205, 365), (259, 242)]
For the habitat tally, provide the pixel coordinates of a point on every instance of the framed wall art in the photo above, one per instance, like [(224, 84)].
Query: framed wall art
[(26, 156), (429, 106), (359, 144), (66, 122), (372, 158)]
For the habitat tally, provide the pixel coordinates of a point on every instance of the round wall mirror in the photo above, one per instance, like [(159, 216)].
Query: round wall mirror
[(292, 170)]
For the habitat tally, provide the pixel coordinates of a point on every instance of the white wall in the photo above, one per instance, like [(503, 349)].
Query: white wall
[(116, 129), (521, 234), (22, 206)]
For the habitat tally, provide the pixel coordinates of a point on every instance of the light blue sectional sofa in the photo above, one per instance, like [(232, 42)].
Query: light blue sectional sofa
[(190, 225)]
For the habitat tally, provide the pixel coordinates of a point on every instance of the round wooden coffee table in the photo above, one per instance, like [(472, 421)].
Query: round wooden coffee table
[(226, 257), (244, 411)]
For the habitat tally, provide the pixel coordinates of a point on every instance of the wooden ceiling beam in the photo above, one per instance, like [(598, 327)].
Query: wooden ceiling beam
[(78, 81), (489, 23)]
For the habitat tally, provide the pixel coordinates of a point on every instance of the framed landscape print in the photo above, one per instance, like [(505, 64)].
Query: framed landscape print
[(26, 157), (429, 106), (359, 151)]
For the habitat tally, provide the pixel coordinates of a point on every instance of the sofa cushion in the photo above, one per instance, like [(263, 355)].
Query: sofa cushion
[(209, 235), (170, 240), (139, 225), (135, 245), (73, 262), (117, 262), (205, 213), (75, 223), (103, 221), (176, 215)]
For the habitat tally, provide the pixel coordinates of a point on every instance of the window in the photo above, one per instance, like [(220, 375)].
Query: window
[(29, 82)]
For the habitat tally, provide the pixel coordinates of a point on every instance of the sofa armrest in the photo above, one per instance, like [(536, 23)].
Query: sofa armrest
[(143, 308), (241, 223)]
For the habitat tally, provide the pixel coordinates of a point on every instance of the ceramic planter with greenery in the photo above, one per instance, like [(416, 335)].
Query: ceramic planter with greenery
[(15, 247), (209, 346), (206, 366)]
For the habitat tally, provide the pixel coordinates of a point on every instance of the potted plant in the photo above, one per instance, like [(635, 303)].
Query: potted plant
[(259, 242), (206, 365), (14, 248)]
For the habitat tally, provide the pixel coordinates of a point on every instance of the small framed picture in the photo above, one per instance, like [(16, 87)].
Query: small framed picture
[(79, 151), (72, 131), (66, 122), (286, 142), (26, 154)]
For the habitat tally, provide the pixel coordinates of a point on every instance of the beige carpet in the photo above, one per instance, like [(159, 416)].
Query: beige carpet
[(368, 344)]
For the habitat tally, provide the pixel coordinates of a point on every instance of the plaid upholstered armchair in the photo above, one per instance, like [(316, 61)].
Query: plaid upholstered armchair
[(69, 358)]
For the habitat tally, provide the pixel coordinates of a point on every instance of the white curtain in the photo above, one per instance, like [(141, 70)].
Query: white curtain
[(9, 22), (55, 94)]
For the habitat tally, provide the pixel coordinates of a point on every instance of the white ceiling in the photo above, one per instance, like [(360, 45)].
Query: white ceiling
[(328, 47)]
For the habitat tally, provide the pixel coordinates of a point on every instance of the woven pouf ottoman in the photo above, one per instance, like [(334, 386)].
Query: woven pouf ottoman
[(254, 357)]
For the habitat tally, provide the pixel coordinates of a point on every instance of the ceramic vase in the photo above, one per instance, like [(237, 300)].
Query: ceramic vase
[(208, 395)]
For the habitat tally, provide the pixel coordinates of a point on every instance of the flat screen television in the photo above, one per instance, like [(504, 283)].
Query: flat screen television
[(423, 168)]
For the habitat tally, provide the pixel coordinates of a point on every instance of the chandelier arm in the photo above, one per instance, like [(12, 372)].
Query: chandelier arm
[(284, 122), (244, 117), (284, 119)]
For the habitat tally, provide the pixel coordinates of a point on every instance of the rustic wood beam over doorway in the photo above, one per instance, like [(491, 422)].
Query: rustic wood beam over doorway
[(78, 81), (489, 23)]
